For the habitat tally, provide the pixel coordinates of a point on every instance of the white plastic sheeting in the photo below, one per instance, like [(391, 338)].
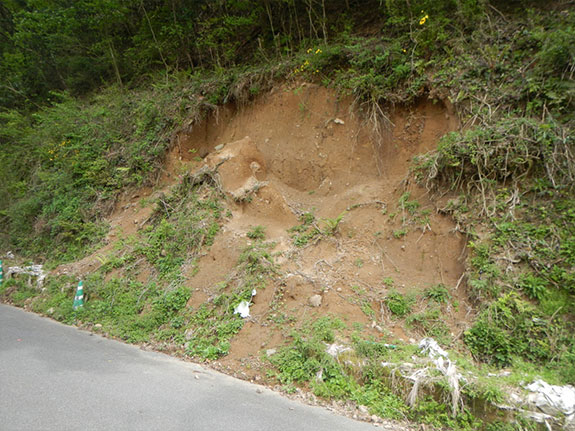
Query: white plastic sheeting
[(444, 365), (549, 398), (243, 308), (32, 270)]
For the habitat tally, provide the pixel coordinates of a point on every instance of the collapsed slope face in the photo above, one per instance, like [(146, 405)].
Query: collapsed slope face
[(301, 150)]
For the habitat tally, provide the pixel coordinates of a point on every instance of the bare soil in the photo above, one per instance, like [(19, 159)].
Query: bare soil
[(303, 149)]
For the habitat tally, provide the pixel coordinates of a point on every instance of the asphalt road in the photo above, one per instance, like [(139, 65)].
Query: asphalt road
[(55, 377)]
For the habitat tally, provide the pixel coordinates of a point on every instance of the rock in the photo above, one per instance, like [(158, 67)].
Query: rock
[(363, 409), (197, 377), (338, 289), (50, 310), (374, 418), (315, 300), (163, 253), (338, 121), (219, 147), (270, 352), (189, 334), (259, 391), (98, 326)]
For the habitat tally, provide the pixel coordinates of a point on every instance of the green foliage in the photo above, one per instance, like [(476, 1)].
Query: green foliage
[(331, 224), (72, 159), (510, 326), (398, 304), (430, 323), (306, 231), (257, 232), (438, 293), (185, 222)]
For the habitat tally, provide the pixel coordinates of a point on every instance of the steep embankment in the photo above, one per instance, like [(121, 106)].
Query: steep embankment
[(301, 150)]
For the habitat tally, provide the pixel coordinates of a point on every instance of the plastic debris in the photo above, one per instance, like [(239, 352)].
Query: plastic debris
[(551, 398), (444, 365), (33, 270), (243, 308), (335, 349), (430, 346)]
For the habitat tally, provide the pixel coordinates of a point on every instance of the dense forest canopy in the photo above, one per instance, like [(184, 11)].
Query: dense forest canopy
[(76, 46)]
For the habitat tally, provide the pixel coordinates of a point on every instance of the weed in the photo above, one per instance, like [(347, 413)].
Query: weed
[(430, 322), (399, 233), (438, 293), (331, 224), (257, 233), (388, 282), (398, 304)]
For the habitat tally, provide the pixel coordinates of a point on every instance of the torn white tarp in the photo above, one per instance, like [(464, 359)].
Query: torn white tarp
[(335, 349), (442, 363), (243, 308), (430, 346), (550, 397), (32, 270)]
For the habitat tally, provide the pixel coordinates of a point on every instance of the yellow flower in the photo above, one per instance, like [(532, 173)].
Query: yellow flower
[(404, 50), (318, 51), (423, 19), (309, 50)]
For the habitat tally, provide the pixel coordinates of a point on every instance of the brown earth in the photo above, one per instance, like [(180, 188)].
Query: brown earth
[(302, 149)]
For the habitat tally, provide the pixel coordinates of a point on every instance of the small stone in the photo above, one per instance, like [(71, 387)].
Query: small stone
[(403, 247), (374, 418), (270, 352), (163, 253), (338, 289), (50, 310), (197, 377), (338, 121), (98, 326), (136, 221), (219, 147), (258, 391), (315, 300), (363, 409), (189, 334)]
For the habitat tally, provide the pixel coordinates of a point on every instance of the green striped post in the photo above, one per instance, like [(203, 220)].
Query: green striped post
[(1, 274), (79, 298)]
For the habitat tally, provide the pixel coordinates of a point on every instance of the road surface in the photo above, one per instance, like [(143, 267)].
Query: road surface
[(56, 377)]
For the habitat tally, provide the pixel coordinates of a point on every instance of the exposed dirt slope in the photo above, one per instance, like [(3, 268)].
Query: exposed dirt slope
[(293, 148), (299, 150)]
